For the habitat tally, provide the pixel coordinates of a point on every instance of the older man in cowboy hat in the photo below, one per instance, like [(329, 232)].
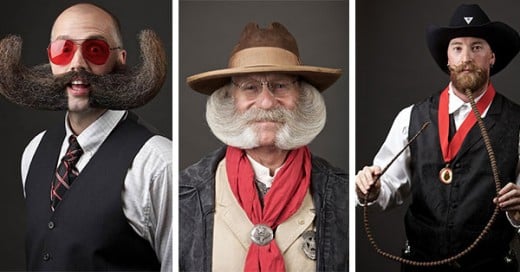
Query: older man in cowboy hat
[(446, 170), (263, 202)]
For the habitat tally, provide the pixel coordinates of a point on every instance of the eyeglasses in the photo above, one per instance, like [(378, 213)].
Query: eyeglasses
[(95, 51), (253, 87)]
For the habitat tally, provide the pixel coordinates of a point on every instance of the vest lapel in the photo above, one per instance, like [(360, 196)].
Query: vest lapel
[(290, 230), (231, 213), (474, 136)]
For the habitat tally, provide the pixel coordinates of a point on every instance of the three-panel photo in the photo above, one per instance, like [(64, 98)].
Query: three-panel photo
[(297, 135)]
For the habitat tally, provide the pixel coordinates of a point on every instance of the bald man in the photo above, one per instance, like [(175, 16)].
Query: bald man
[(98, 186)]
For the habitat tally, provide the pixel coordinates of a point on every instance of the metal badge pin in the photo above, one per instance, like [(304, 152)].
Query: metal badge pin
[(261, 235), (309, 244)]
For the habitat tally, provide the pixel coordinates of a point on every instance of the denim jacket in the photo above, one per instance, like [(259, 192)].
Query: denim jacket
[(329, 188)]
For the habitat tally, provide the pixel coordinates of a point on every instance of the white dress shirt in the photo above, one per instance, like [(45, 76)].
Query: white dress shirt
[(147, 190), (396, 182)]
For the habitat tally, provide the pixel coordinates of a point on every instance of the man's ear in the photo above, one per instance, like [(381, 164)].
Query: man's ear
[(122, 56)]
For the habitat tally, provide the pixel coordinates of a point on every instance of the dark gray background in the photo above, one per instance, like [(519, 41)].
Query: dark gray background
[(32, 20), (210, 29), (393, 70)]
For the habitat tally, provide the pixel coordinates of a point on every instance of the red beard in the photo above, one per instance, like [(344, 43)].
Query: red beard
[(468, 76)]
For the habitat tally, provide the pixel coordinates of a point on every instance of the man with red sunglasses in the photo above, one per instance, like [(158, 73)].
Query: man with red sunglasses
[(98, 187)]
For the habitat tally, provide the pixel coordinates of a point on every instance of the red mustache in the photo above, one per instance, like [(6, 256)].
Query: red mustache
[(468, 66)]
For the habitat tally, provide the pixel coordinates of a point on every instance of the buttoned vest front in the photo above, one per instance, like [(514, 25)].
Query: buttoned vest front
[(88, 230), (444, 219)]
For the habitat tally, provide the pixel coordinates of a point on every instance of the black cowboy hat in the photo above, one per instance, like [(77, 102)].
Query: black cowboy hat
[(471, 21)]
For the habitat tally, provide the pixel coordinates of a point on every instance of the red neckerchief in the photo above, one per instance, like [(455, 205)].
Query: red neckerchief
[(450, 149), (281, 201)]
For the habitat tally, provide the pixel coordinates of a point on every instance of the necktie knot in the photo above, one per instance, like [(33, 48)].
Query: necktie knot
[(74, 151)]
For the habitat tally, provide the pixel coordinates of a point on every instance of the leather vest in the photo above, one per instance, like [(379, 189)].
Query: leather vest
[(444, 219), (88, 230)]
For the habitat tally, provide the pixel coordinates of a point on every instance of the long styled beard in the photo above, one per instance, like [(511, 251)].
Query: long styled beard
[(474, 80), (38, 88), (298, 127)]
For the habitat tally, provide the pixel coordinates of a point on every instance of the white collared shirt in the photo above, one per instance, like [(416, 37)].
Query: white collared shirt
[(147, 190), (461, 109)]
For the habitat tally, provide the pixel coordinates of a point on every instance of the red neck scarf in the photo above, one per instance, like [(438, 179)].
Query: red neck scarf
[(281, 201), (450, 149)]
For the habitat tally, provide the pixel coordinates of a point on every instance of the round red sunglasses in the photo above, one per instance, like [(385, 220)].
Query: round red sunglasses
[(95, 51)]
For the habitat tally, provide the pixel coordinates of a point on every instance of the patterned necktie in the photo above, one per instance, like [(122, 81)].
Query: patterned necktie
[(66, 172)]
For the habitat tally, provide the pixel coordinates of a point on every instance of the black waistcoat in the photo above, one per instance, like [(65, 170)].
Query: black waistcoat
[(88, 230), (444, 219)]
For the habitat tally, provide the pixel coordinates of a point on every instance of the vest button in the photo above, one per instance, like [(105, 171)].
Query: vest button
[(46, 256), (51, 225)]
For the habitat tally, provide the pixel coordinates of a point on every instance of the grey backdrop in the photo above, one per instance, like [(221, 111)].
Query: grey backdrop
[(394, 69), (210, 29), (32, 20)]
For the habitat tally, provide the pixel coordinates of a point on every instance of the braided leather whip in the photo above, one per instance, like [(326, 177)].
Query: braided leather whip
[(485, 230)]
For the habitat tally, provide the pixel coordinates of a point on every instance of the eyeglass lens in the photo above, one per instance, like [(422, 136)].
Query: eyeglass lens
[(275, 86), (95, 51)]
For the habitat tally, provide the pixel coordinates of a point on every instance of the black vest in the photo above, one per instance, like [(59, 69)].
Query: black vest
[(444, 219), (88, 230)]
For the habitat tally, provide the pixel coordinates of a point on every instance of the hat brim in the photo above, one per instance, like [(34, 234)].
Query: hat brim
[(320, 77), (503, 39)]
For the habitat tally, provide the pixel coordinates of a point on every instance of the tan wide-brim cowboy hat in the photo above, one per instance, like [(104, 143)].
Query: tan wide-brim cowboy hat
[(471, 21), (272, 49)]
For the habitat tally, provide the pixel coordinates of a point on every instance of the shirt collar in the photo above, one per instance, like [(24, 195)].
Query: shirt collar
[(95, 134), (262, 172), (455, 102)]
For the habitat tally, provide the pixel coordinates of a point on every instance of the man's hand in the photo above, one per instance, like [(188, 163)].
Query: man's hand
[(365, 182), (508, 200)]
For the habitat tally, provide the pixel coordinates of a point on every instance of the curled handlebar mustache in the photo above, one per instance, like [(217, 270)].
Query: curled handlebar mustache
[(37, 88), (19, 83)]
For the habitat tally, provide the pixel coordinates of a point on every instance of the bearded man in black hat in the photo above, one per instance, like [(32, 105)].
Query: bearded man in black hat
[(263, 202), (446, 169), (98, 185)]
